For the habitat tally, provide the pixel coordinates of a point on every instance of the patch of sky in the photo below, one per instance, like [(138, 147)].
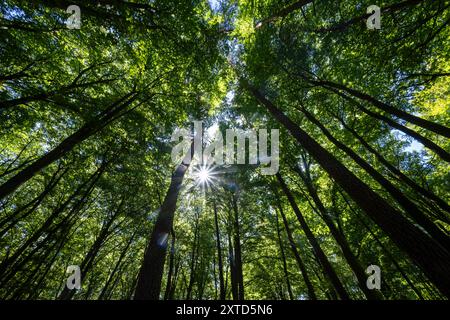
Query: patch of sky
[(214, 4)]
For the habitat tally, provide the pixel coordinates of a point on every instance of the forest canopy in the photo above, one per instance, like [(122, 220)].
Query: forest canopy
[(94, 95)]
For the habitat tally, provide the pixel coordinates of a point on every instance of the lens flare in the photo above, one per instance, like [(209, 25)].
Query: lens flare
[(204, 176)]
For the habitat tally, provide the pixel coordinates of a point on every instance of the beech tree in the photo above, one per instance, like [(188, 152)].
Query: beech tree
[(88, 179)]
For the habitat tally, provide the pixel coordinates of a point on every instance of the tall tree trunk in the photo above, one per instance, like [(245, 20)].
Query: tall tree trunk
[(169, 282), (428, 125), (232, 263), (20, 213), (400, 175), (444, 155), (36, 276), (383, 247), (424, 251), (301, 265), (44, 96), (237, 250), (283, 12), (413, 211), (219, 254), (87, 130), (10, 265), (148, 286), (283, 260), (88, 260), (337, 235), (175, 280), (327, 267), (194, 256), (111, 276)]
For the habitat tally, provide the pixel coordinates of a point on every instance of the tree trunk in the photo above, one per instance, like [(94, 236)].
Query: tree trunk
[(400, 175), (283, 12), (444, 155), (9, 265), (88, 260), (219, 254), (283, 259), (232, 263), (327, 267), (171, 266), (424, 251), (19, 214), (237, 250), (383, 247), (428, 125), (337, 235), (150, 275), (412, 210), (301, 265), (67, 145), (194, 255), (111, 276)]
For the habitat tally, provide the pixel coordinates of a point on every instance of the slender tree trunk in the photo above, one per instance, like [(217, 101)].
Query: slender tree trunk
[(194, 250), (175, 280), (35, 276), (232, 263), (428, 125), (116, 268), (327, 267), (444, 155), (88, 260), (44, 96), (283, 12), (338, 236), (87, 130), (283, 259), (343, 26), (21, 214), (237, 250), (219, 254), (383, 247), (8, 265), (400, 175), (424, 251), (171, 266), (412, 210), (301, 265)]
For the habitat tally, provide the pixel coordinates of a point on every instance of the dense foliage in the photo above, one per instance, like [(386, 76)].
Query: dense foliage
[(86, 176)]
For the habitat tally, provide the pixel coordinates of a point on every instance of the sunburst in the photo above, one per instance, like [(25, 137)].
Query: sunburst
[(205, 175)]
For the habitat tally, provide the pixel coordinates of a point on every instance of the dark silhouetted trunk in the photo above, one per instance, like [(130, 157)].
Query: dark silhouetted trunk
[(219, 254), (234, 283), (301, 265), (169, 282), (444, 155), (194, 256), (400, 175), (12, 264), (423, 250), (318, 252), (111, 276), (237, 250), (337, 235), (67, 145), (428, 125), (411, 209), (283, 12), (90, 257), (283, 260)]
